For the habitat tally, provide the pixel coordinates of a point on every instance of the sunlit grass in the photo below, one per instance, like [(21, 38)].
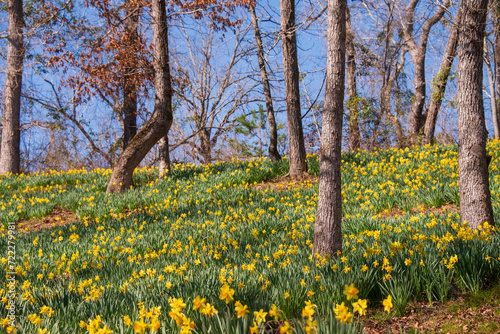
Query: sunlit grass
[(203, 229)]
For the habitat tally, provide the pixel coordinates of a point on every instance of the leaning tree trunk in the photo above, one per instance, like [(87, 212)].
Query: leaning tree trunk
[(297, 154), (11, 132), (129, 87), (475, 200), (161, 119), (327, 227), (273, 129), (440, 81), (353, 103)]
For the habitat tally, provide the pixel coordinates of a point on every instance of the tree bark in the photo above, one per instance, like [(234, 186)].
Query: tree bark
[(273, 129), (164, 153), (297, 154), (129, 87), (11, 132), (327, 227), (161, 119), (496, 28), (418, 55), (491, 82), (353, 103), (440, 81), (475, 200)]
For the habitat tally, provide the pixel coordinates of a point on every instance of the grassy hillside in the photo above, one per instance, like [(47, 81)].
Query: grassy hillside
[(229, 232)]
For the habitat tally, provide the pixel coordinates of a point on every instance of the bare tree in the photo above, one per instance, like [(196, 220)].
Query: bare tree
[(353, 102), (440, 81), (475, 198), (161, 119), (417, 53), (273, 128), (492, 93), (327, 227), (211, 92), (495, 11), (67, 110), (383, 63), (11, 134), (297, 149)]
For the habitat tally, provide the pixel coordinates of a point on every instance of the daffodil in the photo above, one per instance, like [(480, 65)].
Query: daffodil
[(260, 316), (308, 311), (286, 328), (226, 293), (241, 310), (351, 292), (360, 306), (198, 302), (387, 303), (274, 312), (140, 326)]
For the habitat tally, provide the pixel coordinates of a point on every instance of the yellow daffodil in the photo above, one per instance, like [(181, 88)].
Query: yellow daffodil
[(360, 306), (387, 303), (351, 292), (140, 326), (226, 293)]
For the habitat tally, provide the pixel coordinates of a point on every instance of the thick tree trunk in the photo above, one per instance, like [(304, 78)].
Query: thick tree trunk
[(417, 53), (273, 128), (11, 132), (129, 87), (161, 119), (440, 81), (327, 227), (164, 153), (205, 146), (353, 103), (475, 200), (297, 153)]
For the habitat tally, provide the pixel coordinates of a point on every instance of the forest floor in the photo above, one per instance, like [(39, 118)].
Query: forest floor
[(462, 313)]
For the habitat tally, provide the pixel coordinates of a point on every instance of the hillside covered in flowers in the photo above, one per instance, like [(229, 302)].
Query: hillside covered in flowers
[(226, 247)]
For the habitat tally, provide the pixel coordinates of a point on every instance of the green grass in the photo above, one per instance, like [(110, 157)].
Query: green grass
[(202, 227)]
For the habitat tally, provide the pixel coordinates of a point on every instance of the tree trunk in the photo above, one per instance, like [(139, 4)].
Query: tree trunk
[(273, 129), (417, 53), (205, 146), (417, 107), (11, 132), (440, 81), (297, 153), (475, 200), (129, 113), (327, 227), (129, 87), (164, 154), (161, 119), (496, 27), (491, 82), (353, 103)]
